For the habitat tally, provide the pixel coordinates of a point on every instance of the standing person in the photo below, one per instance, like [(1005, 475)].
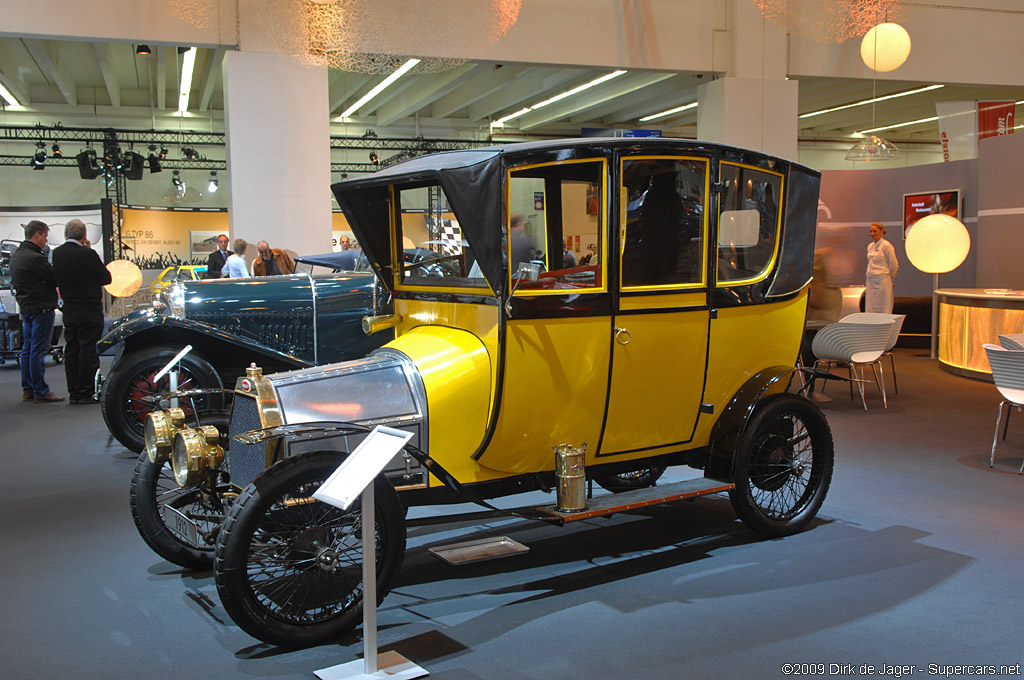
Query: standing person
[(80, 278), (882, 268), (235, 267), (36, 291), (215, 262), (272, 261), (519, 244), (344, 243)]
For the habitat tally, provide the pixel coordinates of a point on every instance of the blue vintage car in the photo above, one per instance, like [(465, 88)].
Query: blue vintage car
[(282, 322)]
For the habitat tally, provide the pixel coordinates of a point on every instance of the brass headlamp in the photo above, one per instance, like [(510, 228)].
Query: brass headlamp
[(160, 429), (194, 451)]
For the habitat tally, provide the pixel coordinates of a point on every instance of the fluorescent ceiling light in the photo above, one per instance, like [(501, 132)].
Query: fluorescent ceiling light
[(188, 64), (876, 99), (654, 116), (897, 125), (915, 122), (558, 97), (380, 87), (6, 94)]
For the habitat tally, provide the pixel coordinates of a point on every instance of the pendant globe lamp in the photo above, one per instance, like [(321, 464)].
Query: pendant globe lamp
[(885, 47)]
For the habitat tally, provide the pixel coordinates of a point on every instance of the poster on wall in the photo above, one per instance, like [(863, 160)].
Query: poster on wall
[(161, 237), (918, 205), (12, 219), (202, 243)]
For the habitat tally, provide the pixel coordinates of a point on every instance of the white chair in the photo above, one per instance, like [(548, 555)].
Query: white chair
[(894, 335), (1008, 375), (1012, 341), (854, 344)]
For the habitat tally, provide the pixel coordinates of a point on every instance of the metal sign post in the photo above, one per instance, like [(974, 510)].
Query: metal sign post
[(172, 364), (354, 477)]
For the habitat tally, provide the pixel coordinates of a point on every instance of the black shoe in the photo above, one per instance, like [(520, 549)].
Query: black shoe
[(82, 401)]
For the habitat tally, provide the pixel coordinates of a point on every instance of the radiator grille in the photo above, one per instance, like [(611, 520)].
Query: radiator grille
[(245, 461)]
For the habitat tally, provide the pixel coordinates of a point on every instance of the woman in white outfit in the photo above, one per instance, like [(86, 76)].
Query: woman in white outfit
[(882, 268)]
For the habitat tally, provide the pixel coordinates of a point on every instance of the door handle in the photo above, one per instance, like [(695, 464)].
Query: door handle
[(622, 336)]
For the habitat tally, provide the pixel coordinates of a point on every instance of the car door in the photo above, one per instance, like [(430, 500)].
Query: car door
[(661, 314)]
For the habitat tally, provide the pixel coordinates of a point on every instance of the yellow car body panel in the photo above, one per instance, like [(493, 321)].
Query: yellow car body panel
[(746, 340), (657, 383), (458, 367), (553, 392)]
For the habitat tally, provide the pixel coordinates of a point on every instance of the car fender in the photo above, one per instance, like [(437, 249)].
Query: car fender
[(727, 432), (210, 340)]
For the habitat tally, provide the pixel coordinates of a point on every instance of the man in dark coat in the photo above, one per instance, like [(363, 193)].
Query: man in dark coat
[(80, 278), (215, 263), (35, 288)]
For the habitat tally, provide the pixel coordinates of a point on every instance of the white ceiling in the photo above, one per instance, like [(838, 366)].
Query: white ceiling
[(85, 83)]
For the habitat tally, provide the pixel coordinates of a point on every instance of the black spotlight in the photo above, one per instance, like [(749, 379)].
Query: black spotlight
[(154, 160), (176, 178), (189, 153), (132, 165), (38, 161), (88, 165), (214, 183), (57, 153), (143, 50), (163, 152), (374, 158)]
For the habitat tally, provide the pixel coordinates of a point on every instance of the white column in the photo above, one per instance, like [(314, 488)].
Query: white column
[(753, 106), (278, 151), (751, 113)]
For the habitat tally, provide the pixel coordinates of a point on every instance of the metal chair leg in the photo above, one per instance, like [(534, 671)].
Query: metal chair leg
[(860, 387), (995, 436), (892, 366), (881, 374), (1006, 426)]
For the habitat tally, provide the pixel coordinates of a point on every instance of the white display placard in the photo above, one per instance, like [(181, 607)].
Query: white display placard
[(362, 465)]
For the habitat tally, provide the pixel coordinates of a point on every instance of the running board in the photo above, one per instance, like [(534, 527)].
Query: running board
[(607, 504)]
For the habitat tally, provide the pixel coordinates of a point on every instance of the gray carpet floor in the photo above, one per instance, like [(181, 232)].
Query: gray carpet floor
[(915, 560)]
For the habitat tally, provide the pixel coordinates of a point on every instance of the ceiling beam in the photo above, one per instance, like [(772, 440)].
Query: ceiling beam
[(422, 93), (161, 77), (524, 91), (104, 58), (590, 99), (345, 87), (648, 100), (53, 69), (484, 83), (13, 77), (211, 76)]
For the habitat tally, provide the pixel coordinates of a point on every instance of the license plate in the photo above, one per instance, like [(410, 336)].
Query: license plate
[(186, 529)]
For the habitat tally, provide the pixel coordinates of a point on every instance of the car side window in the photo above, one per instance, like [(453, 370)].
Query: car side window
[(556, 226), (748, 223), (434, 252), (663, 217)]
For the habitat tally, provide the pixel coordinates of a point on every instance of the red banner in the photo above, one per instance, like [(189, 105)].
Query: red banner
[(995, 118)]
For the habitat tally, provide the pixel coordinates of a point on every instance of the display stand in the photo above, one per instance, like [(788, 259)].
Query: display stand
[(352, 478)]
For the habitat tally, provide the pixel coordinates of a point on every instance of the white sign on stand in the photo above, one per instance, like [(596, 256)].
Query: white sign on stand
[(353, 477)]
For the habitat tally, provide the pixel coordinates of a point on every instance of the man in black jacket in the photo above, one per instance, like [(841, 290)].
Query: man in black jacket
[(35, 288), (80, 277), (215, 262)]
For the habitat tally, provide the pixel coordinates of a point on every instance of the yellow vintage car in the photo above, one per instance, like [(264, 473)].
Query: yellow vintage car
[(174, 273), (590, 309)]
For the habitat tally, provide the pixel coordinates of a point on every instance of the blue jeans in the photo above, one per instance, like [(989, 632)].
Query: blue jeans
[(36, 334)]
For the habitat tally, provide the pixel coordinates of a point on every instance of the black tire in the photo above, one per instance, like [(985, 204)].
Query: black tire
[(784, 466), (132, 379), (290, 573), (153, 489), (630, 481)]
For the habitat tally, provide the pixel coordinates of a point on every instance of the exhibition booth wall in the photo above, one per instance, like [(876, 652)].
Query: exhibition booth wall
[(992, 209)]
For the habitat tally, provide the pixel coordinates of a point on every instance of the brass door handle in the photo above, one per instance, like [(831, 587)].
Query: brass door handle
[(622, 336)]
